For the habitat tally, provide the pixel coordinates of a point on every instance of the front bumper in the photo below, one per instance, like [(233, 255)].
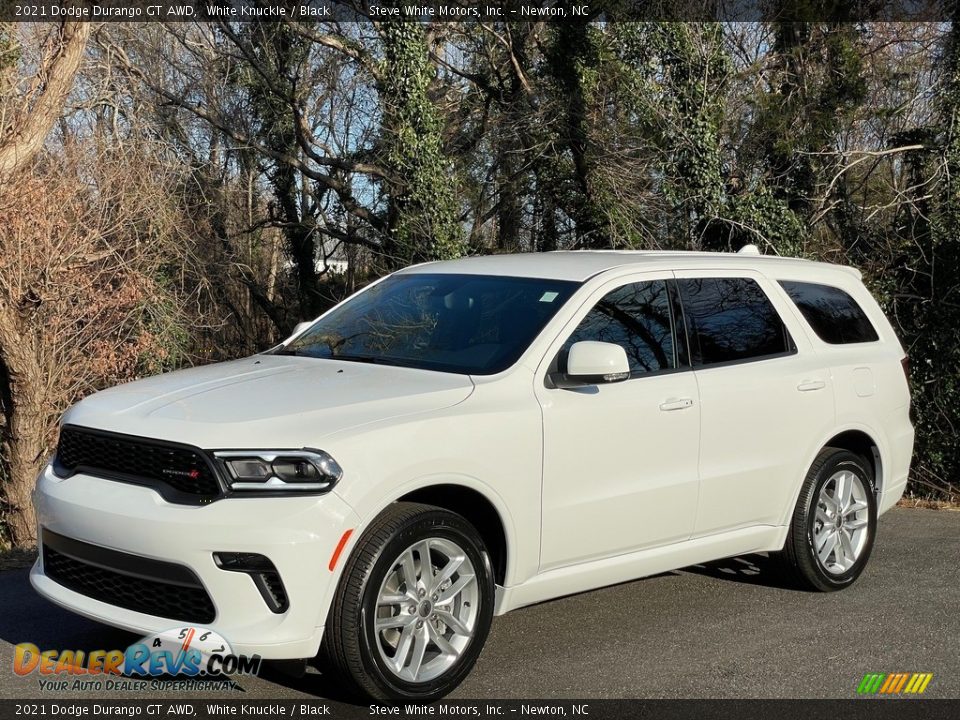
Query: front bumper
[(298, 534)]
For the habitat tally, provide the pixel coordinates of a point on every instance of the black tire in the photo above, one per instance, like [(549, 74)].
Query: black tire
[(799, 557), (350, 637)]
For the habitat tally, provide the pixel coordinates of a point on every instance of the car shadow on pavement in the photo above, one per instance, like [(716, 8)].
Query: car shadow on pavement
[(757, 569)]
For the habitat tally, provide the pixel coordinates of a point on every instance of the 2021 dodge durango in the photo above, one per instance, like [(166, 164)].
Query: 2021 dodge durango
[(464, 438)]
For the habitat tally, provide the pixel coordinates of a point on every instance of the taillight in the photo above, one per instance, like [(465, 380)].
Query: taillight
[(905, 364)]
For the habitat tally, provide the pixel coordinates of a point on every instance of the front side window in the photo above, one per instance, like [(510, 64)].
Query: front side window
[(469, 324), (636, 317), (730, 320), (834, 316)]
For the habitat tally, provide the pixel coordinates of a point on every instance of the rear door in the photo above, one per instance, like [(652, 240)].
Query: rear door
[(764, 397)]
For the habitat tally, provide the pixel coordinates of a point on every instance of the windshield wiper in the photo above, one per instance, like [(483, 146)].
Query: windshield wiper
[(358, 358), (368, 359)]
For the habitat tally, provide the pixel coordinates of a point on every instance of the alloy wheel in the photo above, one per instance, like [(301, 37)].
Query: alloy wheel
[(427, 610), (841, 523)]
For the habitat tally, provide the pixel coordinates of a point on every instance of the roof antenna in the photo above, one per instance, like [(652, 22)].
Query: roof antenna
[(749, 250)]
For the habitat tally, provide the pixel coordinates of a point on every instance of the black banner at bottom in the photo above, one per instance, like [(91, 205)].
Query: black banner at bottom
[(858, 709)]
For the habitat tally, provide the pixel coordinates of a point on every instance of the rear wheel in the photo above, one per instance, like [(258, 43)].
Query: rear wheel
[(833, 526), (414, 606)]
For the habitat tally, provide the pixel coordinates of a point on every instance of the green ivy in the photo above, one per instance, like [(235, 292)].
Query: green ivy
[(423, 222), (935, 318)]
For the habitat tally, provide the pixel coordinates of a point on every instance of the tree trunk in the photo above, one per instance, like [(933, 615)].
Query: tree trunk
[(27, 429), (575, 50), (28, 447), (24, 137), (423, 212), (509, 210)]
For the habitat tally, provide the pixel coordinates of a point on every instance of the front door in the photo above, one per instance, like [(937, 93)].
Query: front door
[(620, 459)]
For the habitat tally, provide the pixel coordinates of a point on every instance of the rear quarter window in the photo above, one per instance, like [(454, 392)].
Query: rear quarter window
[(835, 317)]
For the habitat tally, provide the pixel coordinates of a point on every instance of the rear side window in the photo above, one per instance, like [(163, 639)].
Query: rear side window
[(637, 317), (834, 316), (730, 320)]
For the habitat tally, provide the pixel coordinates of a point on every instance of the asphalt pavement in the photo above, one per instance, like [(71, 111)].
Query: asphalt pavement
[(731, 629)]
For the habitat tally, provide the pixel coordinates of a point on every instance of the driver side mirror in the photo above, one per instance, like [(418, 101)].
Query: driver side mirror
[(594, 363), (300, 327)]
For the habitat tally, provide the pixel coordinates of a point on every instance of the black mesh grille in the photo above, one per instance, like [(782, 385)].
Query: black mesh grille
[(127, 457), (152, 597)]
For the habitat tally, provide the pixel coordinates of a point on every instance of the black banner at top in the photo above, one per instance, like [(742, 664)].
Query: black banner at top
[(452, 11)]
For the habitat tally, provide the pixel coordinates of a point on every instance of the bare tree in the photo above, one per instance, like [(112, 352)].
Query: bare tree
[(83, 302), (25, 125)]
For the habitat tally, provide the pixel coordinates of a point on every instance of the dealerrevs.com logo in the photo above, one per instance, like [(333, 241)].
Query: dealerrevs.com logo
[(201, 656)]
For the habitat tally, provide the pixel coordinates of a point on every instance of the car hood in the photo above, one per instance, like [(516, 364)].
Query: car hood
[(267, 401)]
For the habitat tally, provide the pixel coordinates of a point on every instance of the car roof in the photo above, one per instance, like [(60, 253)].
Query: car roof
[(581, 265)]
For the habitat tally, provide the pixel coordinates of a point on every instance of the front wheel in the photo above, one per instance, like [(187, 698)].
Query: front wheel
[(833, 526), (414, 606)]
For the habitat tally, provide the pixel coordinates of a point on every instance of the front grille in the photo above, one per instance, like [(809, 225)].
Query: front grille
[(184, 470), (141, 584)]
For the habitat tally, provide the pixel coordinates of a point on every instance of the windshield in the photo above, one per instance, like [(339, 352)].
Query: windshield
[(470, 324)]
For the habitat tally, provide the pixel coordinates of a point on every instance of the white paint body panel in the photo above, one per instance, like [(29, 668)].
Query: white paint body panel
[(592, 486)]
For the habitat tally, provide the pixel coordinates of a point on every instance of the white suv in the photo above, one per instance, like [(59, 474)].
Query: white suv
[(464, 438)]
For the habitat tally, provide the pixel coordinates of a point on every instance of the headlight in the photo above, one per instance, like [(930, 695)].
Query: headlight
[(279, 470)]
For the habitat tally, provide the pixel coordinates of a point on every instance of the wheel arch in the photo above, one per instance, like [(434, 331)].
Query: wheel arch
[(468, 497), (859, 440), (478, 510), (861, 443)]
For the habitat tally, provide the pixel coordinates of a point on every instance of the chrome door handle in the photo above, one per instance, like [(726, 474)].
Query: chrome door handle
[(679, 404), (808, 385)]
